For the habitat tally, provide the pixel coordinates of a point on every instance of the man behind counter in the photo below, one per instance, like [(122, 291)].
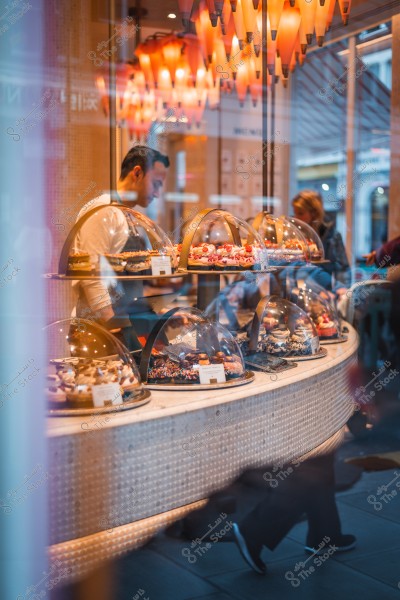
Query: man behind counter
[(109, 231)]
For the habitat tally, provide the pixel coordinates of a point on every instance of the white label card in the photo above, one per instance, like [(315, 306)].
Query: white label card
[(106, 394), (161, 265), (212, 374), (314, 344)]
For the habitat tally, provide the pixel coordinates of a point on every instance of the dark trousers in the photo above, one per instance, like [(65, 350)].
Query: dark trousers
[(309, 489)]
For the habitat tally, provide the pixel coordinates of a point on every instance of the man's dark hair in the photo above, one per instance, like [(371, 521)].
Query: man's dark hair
[(144, 157)]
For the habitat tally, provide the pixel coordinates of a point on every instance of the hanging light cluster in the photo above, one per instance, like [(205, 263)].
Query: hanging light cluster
[(177, 75), (290, 28)]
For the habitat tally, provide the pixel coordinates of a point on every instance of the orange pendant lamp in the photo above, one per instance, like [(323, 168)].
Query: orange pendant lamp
[(185, 10), (275, 8), (288, 31), (239, 24), (308, 10), (321, 21), (171, 51), (345, 6), (249, 16)]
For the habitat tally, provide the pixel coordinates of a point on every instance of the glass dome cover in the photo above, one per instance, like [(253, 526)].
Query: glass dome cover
[(187, 349), (312, 238), (88, 367), (284, 242), (281, 328), (216, 240), (113, 239), (320, 311)]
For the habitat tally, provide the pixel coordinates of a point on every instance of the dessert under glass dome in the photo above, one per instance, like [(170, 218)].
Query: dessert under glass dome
[(113, 239), (187, 350), (282, 329), (89, 369), (216, 240), (284, 242)]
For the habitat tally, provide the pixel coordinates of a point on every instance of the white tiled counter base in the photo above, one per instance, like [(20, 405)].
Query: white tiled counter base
[(113, 484)]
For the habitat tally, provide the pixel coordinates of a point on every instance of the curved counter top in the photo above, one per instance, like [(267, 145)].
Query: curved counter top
[(115, 481)]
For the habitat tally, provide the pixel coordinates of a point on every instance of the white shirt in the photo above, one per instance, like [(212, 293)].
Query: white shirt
[(105, 232)]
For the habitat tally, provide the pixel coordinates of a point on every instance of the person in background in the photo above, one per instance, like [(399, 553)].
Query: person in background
[(111, 231), (388, 253), (308, 207)]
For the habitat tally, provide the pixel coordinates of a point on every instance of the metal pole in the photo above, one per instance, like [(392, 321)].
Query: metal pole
[(350, 146), (272, 163), (219, 150), (113, 101), (264, 104)]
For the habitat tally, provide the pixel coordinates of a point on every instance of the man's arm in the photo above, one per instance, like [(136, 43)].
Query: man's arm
[(104, 232)]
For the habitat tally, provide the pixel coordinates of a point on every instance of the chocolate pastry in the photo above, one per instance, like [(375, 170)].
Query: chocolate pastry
[(217, 360)]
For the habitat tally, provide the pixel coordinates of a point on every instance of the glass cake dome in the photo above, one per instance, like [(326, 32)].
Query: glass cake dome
[(216, 240), (88, 367), (282, 329), (284, 242), (313, 240), (187, 349), (322, 313), (115, 239)]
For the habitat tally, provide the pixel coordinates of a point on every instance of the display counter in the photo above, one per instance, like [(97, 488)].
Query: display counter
[(117, 478)]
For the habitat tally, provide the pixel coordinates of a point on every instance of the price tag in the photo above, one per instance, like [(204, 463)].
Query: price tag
[(314, 344), (106, 394), (161, 265), (212, 374)]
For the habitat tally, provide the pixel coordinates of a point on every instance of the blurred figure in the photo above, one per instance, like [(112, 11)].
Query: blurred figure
[(308, 207), (388, 253), (310, 489)]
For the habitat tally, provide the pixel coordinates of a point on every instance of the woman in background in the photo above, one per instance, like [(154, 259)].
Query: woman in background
[(308, 207)]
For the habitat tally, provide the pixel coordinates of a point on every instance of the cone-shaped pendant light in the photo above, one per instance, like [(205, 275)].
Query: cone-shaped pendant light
[(321, 21), (345, 6), (308, 10), (185, 9), (275, 8), (288, 31)]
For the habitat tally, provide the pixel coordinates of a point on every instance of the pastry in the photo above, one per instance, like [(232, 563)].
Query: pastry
[(233, 367), (115, 262), (269, 323), (277, 341), (136, 262), (55, 391), (326, 328), (76, 377), (301, 341), (186, 369), (79, 262), (315, 253)]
